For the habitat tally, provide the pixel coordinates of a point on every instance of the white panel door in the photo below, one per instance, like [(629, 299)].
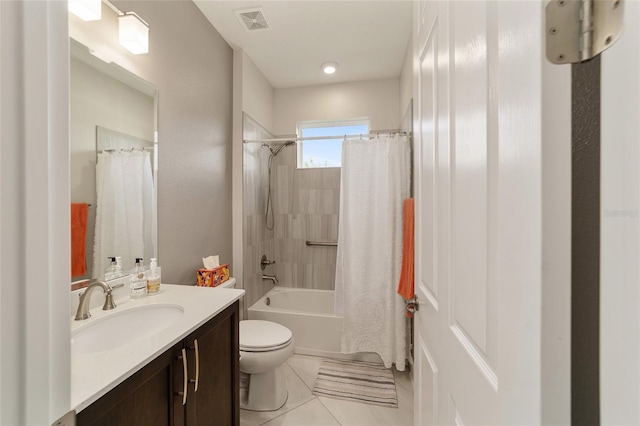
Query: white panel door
[(478, 212), (620, 226)]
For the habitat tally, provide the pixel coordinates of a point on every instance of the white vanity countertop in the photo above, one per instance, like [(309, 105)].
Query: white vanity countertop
[(95, 374)]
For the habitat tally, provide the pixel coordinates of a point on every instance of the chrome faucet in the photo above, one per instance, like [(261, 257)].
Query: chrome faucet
[(83, 307), (271, 277), (264, 262)]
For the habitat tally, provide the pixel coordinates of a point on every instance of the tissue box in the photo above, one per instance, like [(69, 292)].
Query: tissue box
[(213, 277)]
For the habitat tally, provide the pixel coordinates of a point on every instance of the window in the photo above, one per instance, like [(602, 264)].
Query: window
[(326, 152)]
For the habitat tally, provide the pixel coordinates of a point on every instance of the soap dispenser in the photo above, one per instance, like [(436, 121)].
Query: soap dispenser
[(118, 268), (137, 280), (110, 272), (153, 278)]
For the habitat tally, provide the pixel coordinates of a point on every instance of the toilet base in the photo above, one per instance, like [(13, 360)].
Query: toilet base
[(267, 391)]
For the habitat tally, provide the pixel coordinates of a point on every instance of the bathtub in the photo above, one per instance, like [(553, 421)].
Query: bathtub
[(308, 313)]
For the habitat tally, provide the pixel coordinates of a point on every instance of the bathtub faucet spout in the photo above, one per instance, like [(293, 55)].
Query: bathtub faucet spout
[(271, 277)]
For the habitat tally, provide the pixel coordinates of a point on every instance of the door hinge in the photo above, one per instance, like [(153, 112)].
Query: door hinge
[(578, 30)]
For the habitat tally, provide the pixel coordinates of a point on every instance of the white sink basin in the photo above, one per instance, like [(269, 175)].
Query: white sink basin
[(119, 328)]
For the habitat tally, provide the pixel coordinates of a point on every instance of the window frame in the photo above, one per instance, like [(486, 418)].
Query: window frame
[(317, 124)]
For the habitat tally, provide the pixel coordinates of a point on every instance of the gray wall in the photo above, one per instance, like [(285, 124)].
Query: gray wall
[(191, 64)]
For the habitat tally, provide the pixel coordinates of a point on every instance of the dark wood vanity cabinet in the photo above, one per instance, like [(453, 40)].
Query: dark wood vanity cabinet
[(155, 394)]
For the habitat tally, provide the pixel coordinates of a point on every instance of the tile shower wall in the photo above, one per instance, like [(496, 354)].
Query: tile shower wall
[(306, 207), (257, 240)]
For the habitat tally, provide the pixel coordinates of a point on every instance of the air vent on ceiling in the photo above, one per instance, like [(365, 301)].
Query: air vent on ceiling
[(252, 19)]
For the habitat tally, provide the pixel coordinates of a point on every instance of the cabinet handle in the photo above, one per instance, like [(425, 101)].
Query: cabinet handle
[(197, 380), (185, 386)]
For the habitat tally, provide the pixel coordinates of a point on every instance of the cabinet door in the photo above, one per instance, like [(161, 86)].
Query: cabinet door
[(146, 398), (216, 346)]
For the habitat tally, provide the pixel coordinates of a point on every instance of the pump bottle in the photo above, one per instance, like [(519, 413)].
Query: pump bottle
[(110, 272), (153, 278), (137, 280)]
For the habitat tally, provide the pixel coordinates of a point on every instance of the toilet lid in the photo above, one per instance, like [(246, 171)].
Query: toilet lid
[(260, 336)]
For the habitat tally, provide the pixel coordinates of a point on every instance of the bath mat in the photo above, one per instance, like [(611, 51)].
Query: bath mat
[(365, 382)]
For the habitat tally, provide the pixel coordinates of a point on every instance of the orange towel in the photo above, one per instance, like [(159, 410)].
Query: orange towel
[(405, 286), (78, 235)]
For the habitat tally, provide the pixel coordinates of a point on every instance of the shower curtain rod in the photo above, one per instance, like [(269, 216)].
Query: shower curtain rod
[(316, 138), (138, 149)]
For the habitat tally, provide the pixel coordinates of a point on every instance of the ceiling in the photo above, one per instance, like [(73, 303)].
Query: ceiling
[(367, 39)]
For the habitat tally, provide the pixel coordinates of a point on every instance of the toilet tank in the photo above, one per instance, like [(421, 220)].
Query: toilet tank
[(230, 283)]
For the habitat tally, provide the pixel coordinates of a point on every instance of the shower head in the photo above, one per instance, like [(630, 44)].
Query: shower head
[(277, 149)]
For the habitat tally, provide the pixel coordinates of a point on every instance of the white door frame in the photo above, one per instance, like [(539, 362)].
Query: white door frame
[(556, 241), (620, 225), (34, 214)]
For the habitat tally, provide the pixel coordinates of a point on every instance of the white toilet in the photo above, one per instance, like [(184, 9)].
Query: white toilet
[(264, 347)]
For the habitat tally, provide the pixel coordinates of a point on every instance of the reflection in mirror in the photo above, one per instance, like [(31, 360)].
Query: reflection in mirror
[(113, 164)]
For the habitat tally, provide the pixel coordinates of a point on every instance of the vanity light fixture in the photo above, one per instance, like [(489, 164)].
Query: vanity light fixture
[(329, 67), (87, 10), (134, 33)]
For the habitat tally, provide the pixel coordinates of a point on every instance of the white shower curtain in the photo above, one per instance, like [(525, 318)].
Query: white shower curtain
[(125, 217), (374, 183)]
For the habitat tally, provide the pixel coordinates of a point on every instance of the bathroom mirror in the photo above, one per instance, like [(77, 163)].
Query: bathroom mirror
[(113, 149)]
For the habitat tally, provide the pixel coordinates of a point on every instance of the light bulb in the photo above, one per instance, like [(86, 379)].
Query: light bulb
[(329, 67), (87, 10), (134, 33)]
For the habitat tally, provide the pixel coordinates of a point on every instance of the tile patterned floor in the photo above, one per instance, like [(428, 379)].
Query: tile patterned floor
[(305, 409)]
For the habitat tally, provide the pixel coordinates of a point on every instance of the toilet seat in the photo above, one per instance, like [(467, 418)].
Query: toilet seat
[(265, 349), (263, 336)]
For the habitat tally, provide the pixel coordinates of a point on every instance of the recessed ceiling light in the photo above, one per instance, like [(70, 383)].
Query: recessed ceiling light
[(329, 67)]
